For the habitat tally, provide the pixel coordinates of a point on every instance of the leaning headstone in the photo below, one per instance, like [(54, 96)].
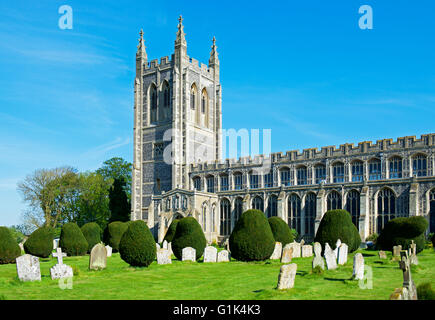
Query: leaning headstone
[(318, 259), (165, 244), (188, 254), (28, 268), (307, 251), (396, 250), (331, 261), (210, 254), (287, 254), (337, 245), (109, 251), (296, 249), (286, 278), (163, 256), (98, 257), (358, 267), (277, 252), (413, 247), (60, 270), (342, 254), (382, 254), (408, 290), (223, 256)]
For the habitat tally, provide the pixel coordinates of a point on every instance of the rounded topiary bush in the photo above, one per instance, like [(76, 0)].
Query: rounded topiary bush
[(337, 224), (9, 249), (72, 241), (402, 231), (40, 242), (92, 233), (113, 234), (137, 246), (171, 230), (281, 231), (252, 238), (188, 234)]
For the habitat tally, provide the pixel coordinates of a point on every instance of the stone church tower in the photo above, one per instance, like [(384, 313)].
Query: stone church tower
[(177, 122)]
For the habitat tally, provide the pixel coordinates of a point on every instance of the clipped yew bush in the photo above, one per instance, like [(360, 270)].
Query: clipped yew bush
[(113, 234), (252, 238), (137, 246), (40, 242), (188, 234), (171, 230), (337, 224), (72, 241), (9, 249), (402, 231), (92, 233), (281, 231)]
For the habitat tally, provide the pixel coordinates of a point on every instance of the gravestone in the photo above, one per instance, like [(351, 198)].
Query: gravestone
[(287, 254), (28, 268), (358, 266), (382, 254), (170, 248), (331, 260), (307, 251), (408, 290), (109, 251), (223, 256), (98, 257), (337, 245), (296, 249), (318, 260), (286, 277), (342, 254), (188, 254), (21, 245), (157, 246), (163, 256), (60, 270), (302, 242), (55, 244), (210, 254), (165, 244), (277, 251), (396, 251)]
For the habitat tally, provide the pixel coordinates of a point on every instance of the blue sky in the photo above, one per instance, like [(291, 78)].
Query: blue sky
[(301, 68)]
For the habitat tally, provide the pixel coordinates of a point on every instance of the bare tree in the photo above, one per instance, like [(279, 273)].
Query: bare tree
[(47, 191)]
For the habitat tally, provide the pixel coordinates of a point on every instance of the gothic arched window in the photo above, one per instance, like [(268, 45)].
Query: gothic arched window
[(386, 207), (353, 206), (419, 165), (225, 223), (432, 211), (310, 214), (357, 170), (238, 183), (395, 167), (301, 174), (320, 173), (333, 200), (338, 172), (375, 169), (238, 209), (285, 176), (294, 212), (153, 103), (272, 206), (257, 203)]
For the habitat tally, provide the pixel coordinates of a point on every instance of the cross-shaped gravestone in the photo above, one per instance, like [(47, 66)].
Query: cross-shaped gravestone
[(405, 265), (59, 255)]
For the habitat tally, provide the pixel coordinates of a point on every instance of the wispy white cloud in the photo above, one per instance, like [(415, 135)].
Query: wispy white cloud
[(104, 148)]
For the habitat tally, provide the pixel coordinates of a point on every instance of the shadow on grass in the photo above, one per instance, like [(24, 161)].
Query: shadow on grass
[(368, 255), (338, 280)]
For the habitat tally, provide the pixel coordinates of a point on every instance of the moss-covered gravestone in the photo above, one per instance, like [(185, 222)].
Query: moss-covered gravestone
[(98, 257)]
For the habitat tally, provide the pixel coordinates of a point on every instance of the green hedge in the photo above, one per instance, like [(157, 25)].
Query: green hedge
[(9, 249), (40, 242), (137, 246), (402, 231), (72, 241), (171, 231), (337, 224), (92, 233), (188, 234), (281, 231), (252, 238), (113, 234)]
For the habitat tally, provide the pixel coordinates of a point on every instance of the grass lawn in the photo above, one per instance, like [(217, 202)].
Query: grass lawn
[(214, 281)]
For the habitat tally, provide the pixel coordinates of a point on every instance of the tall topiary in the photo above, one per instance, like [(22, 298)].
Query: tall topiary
[(72, 241), (113, 233), (337, 224), (281, 231), (188, 234), (40, 242), (402, 231), (252, 238), (92, 233), (171, 230), (118, 202), (9, 249), (137, 246)]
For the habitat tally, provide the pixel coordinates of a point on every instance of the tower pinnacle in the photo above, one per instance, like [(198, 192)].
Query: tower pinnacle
[(180, 33), (141, 52), (214, 60)]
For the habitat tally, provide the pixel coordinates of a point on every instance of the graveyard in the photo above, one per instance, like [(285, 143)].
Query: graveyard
[(216, 281)]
